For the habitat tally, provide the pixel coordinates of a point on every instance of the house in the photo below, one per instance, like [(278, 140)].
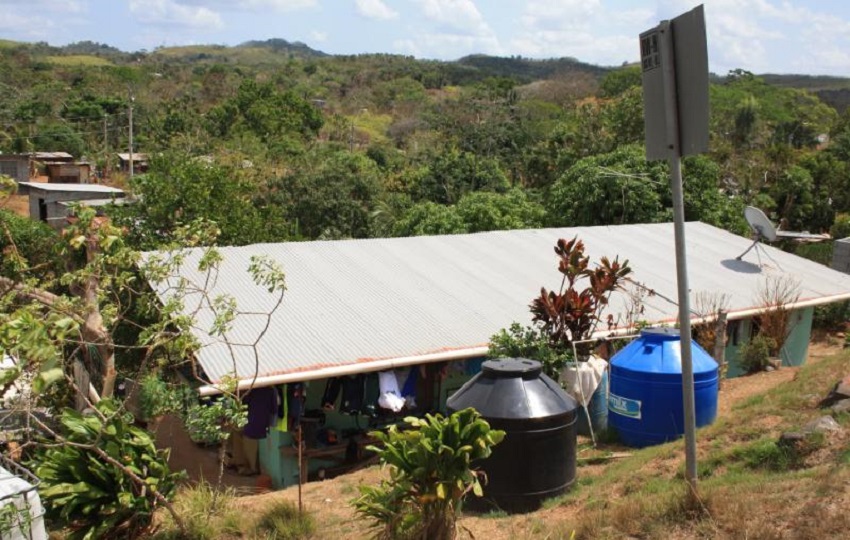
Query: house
[(48, 202), (357, 307), (841, 255), (68, 173), (140, 162), (22, 167), (16, 166)]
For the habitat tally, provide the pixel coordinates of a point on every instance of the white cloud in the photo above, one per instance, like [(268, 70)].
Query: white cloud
[(61, 6), (583, 29), (172, 13), (375, 9), (459, 16), (760, 35), (450, 29), (452, 46), (317, 36), (252, 5)]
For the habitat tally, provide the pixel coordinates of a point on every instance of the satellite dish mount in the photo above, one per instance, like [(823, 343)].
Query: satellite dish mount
[(763, 229)]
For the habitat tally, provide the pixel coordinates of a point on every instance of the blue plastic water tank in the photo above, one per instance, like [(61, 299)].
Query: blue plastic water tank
[(645, 398)]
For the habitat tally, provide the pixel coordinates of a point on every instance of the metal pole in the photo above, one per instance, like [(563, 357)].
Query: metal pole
[(130, 118), (300, 469), (675, 160), (105, 147)]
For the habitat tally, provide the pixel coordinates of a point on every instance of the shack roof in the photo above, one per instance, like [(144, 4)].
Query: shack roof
[(363, 305)]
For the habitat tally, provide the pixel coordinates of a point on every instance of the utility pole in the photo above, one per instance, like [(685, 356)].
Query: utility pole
[(105, 147), (130, 118)]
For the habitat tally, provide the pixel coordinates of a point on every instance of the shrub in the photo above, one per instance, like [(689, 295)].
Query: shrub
[(753, 355), (430, 473), (528, 342), (87, 480), (831, 316), (840, 227), (27, 245)]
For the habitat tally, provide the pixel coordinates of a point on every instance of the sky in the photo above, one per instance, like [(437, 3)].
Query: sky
[(761, 36)]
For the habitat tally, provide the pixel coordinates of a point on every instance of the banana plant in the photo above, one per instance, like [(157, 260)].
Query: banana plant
[(103, 477), (431, 464)]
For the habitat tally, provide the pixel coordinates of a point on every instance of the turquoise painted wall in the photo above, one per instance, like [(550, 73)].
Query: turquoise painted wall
[(794, 351), (283, 469), (796, 347), (734, 343)]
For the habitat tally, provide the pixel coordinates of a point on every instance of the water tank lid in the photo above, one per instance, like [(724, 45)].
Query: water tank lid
[(508, 368), (660, 334)]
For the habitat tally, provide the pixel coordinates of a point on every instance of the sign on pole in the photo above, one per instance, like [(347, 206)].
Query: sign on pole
[(674, 64), (683, 38)]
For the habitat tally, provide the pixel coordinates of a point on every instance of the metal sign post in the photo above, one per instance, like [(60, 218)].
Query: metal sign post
[(674, 62)]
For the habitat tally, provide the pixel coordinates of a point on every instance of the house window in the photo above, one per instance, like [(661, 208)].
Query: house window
[(733, 332)]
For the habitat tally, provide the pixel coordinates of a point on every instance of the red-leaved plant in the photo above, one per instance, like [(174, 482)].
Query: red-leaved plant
[(571, 315)]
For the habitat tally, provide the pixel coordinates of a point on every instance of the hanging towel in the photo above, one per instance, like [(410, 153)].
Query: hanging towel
[(390, 397)]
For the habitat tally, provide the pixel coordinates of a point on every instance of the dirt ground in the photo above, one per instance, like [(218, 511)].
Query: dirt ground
[(200, 462)]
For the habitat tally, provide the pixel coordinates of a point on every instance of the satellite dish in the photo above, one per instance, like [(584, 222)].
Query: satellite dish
[(763, 229), (759, 223)]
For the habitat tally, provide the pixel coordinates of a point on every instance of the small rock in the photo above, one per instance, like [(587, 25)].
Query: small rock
[(329, 500), (824, 423), (842, 406), (843, 388), (841, 391), (791, 439), (768, 368)]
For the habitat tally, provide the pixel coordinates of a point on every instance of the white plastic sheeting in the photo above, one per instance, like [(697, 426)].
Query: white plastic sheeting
[(21, 511), (582, 379)]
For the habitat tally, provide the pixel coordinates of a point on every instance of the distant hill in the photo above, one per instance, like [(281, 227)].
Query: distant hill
[(283, 46), (526, 69), (834, 91)]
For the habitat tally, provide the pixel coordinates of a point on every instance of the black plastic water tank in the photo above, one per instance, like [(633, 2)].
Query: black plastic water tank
[(537, 458)]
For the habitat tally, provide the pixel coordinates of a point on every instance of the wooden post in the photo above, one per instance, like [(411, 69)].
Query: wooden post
[(300, 468), (720, 345)]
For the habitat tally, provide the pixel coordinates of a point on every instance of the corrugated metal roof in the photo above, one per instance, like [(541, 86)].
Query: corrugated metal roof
[(137, 156), (352, 301), (78, 188)]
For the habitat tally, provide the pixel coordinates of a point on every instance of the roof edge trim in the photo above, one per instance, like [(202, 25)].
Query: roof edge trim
[(348, 369)]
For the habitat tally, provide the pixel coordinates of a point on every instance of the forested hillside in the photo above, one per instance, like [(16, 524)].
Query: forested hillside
[(277, 141)]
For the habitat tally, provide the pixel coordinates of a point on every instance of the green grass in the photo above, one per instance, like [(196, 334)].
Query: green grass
[(207, 512), (78, 60), (282, 521)]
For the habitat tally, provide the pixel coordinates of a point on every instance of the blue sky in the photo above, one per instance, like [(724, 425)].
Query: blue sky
[(777, 36)]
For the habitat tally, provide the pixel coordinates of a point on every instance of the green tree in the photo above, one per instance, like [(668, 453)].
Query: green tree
[(488, 211), (446, 177), (429, 218), (282, 120), (608, 189), (794, 198), (330, 198), (179, 189), (618, 81)]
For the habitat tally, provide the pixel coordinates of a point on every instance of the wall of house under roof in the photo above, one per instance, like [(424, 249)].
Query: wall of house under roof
[(794, 351), (278, 458)]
